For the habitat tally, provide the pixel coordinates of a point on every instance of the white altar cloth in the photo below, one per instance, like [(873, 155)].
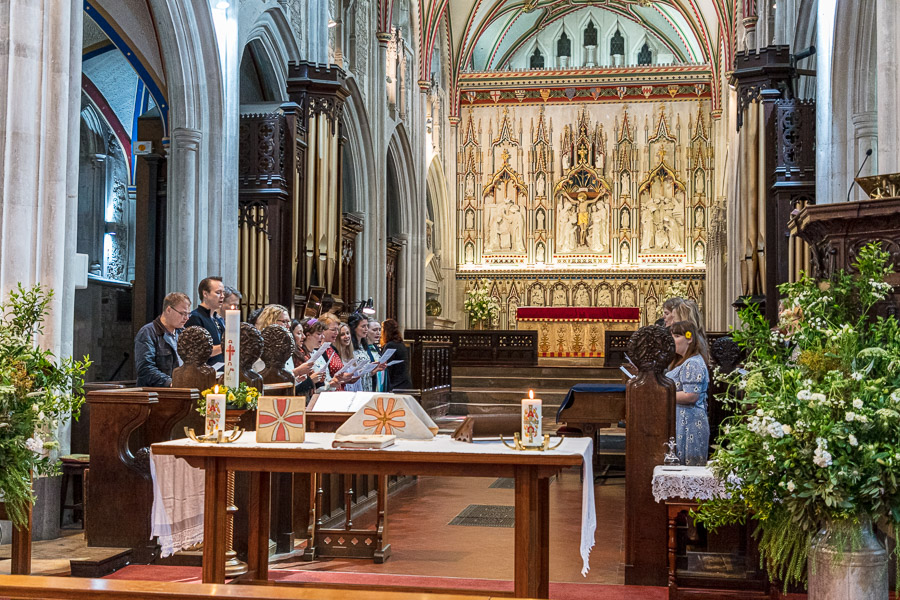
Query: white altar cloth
[(173, 506), (690, 483)]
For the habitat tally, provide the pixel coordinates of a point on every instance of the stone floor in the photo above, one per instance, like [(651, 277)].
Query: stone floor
[(424, 543)]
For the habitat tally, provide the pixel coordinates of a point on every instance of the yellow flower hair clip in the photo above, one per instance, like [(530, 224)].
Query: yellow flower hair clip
[(687, 335)]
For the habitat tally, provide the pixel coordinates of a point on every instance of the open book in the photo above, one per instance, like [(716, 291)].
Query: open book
[(363, 441), (340, 401)]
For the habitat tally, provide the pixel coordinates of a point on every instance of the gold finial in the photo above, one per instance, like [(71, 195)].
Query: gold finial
[(505, 156)]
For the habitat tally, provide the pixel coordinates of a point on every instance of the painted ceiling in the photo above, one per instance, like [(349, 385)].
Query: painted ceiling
[(482, 35)]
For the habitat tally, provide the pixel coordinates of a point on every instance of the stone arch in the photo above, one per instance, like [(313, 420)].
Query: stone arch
[(203, 156), (273, 41), (408, 210), (444, 228)]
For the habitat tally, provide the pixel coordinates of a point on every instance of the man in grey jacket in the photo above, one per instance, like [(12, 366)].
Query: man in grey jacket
[(156, 344)]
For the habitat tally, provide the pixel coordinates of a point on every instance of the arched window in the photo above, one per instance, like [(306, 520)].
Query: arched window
[(617, 43), (537, 59), (645, 57), (564, 46), (590, 35)]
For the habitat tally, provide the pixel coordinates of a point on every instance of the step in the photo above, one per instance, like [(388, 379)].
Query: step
[(539, 371), (532, 383), (500, 396)]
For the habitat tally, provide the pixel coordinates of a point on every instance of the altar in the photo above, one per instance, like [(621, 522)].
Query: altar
[(575, 331)]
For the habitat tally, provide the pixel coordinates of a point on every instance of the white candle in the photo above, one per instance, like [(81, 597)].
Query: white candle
[(531, 421), (215, 412), (232, 347)]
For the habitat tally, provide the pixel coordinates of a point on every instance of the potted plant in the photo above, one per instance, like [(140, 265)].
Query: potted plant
[(238, 401), (38, 391), (480, 305), (812, 452)]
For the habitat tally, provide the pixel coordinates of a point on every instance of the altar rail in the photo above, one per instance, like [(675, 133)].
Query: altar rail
[(76, 588), (498, 347), (616, 342)]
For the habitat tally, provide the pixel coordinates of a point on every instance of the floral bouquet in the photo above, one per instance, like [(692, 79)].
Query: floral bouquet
[(815, 438), (241, 397), (480, 305), (37, 392)]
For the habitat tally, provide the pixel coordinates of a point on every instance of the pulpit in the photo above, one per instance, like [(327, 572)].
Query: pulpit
[(575, 331)]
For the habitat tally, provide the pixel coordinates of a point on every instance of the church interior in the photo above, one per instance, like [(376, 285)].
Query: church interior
[(474, 227)]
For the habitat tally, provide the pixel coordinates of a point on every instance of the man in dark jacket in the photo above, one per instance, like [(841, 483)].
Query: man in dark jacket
[(208, 316), (156, 344)]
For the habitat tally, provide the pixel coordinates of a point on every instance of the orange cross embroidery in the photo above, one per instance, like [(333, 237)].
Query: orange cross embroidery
[(384, 418)]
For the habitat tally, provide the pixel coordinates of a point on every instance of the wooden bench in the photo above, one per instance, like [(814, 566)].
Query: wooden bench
[(21, 545), (17, 587)]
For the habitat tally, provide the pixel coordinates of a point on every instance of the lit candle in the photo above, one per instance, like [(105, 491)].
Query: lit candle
[(232, 347), (215, 412), (531, 420)]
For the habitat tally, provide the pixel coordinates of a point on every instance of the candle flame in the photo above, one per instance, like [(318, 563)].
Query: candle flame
[(531, 394), (216, 391)]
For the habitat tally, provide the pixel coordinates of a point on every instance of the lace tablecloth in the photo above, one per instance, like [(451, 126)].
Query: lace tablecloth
[(690, 483)]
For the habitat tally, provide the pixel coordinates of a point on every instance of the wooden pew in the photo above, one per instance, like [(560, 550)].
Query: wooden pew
[(496, 347), (118, 488), (16, 587), (431, 374)]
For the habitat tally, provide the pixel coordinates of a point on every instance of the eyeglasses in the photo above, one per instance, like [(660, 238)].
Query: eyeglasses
[(185, 314), (283, 321)]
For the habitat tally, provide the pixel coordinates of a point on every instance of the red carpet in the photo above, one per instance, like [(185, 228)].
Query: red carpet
[(558, 591)]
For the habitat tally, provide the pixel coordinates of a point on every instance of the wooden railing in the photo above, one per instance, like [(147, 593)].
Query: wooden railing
[(430, 370), (500, 347), (76, 588), (617, 341)]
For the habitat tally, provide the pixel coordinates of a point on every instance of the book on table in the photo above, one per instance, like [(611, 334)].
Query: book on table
[(363, 441)]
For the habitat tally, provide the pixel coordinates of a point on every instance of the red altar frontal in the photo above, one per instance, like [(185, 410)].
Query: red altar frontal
[(575, 331)]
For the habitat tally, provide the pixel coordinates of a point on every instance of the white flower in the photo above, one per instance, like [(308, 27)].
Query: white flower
[(771, 458), (822, 458), (790, 486), (775, 430), (850, 416), (786, 429), (856, 375), (35, 444), (857, 403), (853, 441), (804, 395), (760, 413), (817, 397), (895, 395)]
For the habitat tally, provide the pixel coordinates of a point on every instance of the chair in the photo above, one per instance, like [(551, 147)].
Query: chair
[(73, 466)]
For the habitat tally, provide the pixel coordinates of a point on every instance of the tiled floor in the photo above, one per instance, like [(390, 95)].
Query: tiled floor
[(424, 543)]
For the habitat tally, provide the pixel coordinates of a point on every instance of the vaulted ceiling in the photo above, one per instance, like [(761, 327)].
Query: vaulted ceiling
[(482, 35)]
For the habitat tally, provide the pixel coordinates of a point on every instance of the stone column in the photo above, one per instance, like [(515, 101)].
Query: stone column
[(186, 228), (40, 100), (887, 14), (376, 222), (865, 136)]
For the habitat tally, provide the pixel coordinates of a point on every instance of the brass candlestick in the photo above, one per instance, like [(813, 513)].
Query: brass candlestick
[(217, 438), (233, 565), (519, 446)]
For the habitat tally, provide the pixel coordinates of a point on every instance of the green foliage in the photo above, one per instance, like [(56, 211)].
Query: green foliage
[(241, 397), (815, 438), (37, 392), (479, 304)]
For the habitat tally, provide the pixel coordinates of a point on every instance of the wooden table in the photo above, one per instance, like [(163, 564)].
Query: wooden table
[(531, 470)]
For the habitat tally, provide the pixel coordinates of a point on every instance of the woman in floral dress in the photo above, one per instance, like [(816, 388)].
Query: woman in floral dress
[(691, 378)]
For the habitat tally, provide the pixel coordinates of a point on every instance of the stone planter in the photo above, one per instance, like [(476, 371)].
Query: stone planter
[(848, 573)]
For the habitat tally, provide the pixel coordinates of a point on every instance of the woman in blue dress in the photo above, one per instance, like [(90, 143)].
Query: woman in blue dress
[(691, 378)]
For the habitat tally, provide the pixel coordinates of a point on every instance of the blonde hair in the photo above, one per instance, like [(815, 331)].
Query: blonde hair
[(688, 310), (345, 350), (328, 320), (270, 315)]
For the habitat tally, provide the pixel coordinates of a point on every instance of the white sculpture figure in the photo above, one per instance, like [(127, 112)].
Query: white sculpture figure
[(674, 224), (570, 230), (661, 228), (541, 185), (470, 254), (627, 297), (699, 218), (539, 220), (604, 297), (599, 226), (582, 297), (599, 160), (650, 311), (648, 228), (539, 253), (470, 220), (470, 185), (626, 183), (625, 222), (559, 296), (537, 296), (699, 253), (515, 220), (566, 161)]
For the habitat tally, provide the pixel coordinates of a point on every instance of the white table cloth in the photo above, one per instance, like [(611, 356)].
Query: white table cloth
[(690, 483)]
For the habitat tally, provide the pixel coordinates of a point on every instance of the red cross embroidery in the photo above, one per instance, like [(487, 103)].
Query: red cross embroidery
[(281, 420), (230, 351)]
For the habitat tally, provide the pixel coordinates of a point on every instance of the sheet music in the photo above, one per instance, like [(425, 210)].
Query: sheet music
[(341, 401), (387, 354), (349, 365), (393, 362), (315, 355), (627, 372)]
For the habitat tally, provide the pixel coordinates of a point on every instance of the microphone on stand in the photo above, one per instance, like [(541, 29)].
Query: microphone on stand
[(868, 154)]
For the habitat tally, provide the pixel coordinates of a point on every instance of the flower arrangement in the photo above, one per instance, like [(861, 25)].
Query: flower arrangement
[(37, 392), (815, 439), (479, 304), (241, 397)]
